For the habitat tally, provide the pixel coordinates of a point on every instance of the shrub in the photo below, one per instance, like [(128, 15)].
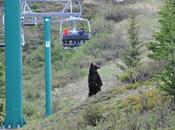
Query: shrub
[(109, 55), (133, 119), (144, 101), (90, 9), (134, 102), (128, 76), (133, 85), (85, 61), (153, 97), (117, 13), (2, 109), (143, 72), (100, 61), (31, 111), (100, 25), (93, 115)]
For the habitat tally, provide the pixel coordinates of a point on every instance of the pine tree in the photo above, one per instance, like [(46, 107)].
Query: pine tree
[(131, 58), (163, 48), (132, 55)]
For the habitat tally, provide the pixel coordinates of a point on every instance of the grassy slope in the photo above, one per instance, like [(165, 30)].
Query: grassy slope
[(116, 103), (117, 109)]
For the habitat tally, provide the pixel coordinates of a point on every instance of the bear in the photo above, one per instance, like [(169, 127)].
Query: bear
[(94, 81)]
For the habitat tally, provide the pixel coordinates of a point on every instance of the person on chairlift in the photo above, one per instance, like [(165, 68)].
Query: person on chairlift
[(66, 32), (81, 32), (74, 31)]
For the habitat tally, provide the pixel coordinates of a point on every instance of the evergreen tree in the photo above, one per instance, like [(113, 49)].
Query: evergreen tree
[(132, 55), (163, 48), (131, 58)]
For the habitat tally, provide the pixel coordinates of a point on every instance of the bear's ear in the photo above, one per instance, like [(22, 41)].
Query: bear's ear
[(92, 64)]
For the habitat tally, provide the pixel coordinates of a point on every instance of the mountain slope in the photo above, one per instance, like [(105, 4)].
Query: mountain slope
[(115, 109)]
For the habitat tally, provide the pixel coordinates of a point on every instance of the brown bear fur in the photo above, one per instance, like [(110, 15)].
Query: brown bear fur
[(94, 81)]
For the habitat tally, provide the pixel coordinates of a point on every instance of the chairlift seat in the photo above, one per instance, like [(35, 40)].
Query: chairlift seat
[(29, 24), (76, 37)]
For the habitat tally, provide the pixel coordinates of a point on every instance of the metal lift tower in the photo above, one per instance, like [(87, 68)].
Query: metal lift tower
[(13, 60), (13, 55)]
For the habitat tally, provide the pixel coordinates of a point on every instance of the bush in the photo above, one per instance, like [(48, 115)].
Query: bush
[(117, 13), (128, 76), (134, 102), (85, 61), (109, 55), (93, 115), (133, 119), (100, 25), (133, 85), (100, 61), (31, 110), (104, 45), (144, 101), (143, 72), (90, 10), (2, 109)]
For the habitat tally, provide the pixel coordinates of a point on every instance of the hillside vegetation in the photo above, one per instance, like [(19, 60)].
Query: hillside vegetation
[(121, 105)]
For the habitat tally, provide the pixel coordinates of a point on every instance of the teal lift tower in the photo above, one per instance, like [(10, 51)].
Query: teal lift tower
[(13, 61)]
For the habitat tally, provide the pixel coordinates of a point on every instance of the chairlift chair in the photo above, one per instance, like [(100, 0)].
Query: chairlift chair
[(75, 37), (28, 20)]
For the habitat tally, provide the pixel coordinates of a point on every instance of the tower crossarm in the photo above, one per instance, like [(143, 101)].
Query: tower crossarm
[(51, 14), (44, 0)]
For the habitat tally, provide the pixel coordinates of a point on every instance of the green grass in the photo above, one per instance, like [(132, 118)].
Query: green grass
[(108, 70), (114, 109)]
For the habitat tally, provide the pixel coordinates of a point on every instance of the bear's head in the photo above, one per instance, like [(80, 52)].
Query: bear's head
[(94, 67)]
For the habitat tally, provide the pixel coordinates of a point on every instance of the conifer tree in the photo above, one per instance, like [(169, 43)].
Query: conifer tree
[(131, 58), (132, 55), (163, 48)]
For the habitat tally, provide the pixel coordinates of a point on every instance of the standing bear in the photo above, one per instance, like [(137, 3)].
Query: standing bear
[(94, 80)]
